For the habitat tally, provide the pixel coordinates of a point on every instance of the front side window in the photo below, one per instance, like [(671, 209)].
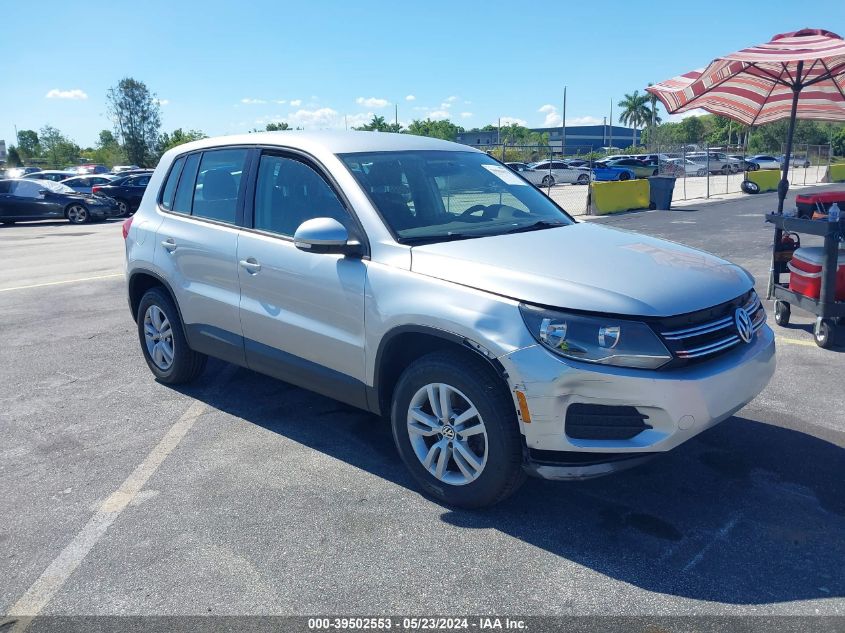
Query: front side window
[(218, 183), (288, 192), (431, 196)]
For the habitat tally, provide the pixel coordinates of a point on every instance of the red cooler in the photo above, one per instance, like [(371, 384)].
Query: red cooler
[(806, 272)]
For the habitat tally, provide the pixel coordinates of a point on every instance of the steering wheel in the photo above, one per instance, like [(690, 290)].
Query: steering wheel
[(487, 211)]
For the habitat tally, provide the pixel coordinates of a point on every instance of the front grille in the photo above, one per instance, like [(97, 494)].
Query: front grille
[(707, 333), (604, 422)]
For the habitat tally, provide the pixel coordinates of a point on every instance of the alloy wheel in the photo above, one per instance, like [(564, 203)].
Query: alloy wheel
[(158, 335), (77, 214), (447, 434)]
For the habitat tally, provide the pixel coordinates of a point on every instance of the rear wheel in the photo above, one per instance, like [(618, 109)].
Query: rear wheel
[(548, 181), (823, 333), (122, 208), (583, 179), (782, 313), (455, 427), (77, 214), (163, 341), (624, 176), (701, 172)]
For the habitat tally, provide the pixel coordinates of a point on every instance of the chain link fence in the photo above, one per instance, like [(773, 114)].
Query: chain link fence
[(700, 173)]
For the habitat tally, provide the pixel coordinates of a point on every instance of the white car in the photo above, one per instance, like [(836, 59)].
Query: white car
[(557, 171), (718, 162), (765, 161), (686, 167), (84, 184)]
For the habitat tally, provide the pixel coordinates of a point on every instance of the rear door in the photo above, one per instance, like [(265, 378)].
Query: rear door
[(302, 313), (196, 248)]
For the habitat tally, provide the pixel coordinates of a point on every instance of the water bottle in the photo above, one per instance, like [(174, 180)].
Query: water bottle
[(833, 213)]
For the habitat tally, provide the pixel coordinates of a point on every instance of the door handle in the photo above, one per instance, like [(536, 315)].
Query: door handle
[(251, 265), (169, 244)]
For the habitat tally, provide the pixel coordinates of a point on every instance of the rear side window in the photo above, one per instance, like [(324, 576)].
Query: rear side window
[(185, 190), (169, 191), (218, 184)]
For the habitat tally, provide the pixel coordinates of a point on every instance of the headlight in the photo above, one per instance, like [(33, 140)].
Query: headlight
[(596, 339)]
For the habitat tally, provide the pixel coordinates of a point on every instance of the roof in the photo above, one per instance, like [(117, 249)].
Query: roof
[(333, 142)]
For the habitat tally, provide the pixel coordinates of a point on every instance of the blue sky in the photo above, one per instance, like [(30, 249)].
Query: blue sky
[(226, 67)]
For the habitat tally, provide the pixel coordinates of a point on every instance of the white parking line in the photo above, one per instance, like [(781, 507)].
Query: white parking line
[(57, 573), (66, 281)]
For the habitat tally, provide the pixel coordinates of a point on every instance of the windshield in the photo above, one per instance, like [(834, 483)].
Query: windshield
[(431, 196)]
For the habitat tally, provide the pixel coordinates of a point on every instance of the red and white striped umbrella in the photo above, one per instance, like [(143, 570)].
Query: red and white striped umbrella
[(759, 84)]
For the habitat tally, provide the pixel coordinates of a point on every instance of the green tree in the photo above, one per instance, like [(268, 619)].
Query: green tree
[(29, 146), (107, 151), (691, 130), (635, 110), (177, 137), (58, 150), (137, 119), (515, 134), (277, 126), (377, 124), (13, 157), (837, 143), (443, 129)]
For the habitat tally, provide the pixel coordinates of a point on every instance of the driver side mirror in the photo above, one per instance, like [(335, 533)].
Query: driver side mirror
[(325, 236)]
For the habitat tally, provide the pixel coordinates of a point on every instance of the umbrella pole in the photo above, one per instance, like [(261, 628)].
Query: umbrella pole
[(783, 185)]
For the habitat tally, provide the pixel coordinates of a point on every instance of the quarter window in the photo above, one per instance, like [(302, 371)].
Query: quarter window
[(218, 183), (185, 190), (170, 185), (289, 192)]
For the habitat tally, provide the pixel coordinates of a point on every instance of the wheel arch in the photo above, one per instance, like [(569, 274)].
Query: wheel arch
[(404, 344), (142, 280)]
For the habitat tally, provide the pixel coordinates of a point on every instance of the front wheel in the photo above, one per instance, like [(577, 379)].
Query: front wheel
[(823, 333), (782, 313), (77, 214), (583, 179), (701, 172), (455, 427), (163, 341), (548, 181), (624, 176)]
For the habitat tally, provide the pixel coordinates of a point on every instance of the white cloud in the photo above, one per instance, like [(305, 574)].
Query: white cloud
[(358, 119), (371, 102), (508, 120), (319, 118), (410, 98), (445, 105), (249, 101), (74, 94), (584, 120), (674, 118), (552, 117), (466, 115), (296, 102), (280, 101), (451, 99), (437, 114)]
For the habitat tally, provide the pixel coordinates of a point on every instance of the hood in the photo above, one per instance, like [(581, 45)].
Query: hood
[(587, 267)]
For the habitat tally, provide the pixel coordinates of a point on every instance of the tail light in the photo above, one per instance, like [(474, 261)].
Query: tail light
[(95, 190), (127, 224)]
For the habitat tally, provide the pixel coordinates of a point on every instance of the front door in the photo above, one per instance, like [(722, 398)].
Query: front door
[(302, 313)]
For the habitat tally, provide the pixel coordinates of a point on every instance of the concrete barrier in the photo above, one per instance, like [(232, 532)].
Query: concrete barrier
[(612, 197), (766, 179)]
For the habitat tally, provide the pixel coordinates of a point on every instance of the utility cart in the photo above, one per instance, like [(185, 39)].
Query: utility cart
[(830, 312)]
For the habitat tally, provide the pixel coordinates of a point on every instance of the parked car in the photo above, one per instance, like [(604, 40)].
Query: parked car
[(719, 162), (529, 173), (795, 161), (26, 199), (85, 184), (604, 171), (744, 163), (121, 168), (641, 169), (92, 168), (20, 172), (679, 167), (577, 162), (765, 161), (558, 171), (422, 280), (50, 174), (126, 192)]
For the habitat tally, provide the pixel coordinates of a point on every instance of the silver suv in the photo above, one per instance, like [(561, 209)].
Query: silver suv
[(426, 282)]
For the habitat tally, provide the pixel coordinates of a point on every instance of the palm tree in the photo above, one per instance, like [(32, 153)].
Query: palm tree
[(635, 110)]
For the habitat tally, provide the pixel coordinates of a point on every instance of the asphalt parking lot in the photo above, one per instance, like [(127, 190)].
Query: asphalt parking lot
[(243, 495)]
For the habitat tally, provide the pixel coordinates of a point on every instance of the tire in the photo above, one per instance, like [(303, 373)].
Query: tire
[(749, 187), (497, 447), (725, 170), (701, 172), (583, 179), (753, 167), (823, 333), (122, 208), (77, 214), (624, 176), (185, 364), (548, 181), (782, 313)]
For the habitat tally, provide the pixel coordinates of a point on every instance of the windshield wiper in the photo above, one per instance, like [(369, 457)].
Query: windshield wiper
[(536, 226), (434, 239)]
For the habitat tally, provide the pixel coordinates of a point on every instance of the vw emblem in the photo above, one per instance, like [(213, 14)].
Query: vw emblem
[(448, 432), (743, 325)]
